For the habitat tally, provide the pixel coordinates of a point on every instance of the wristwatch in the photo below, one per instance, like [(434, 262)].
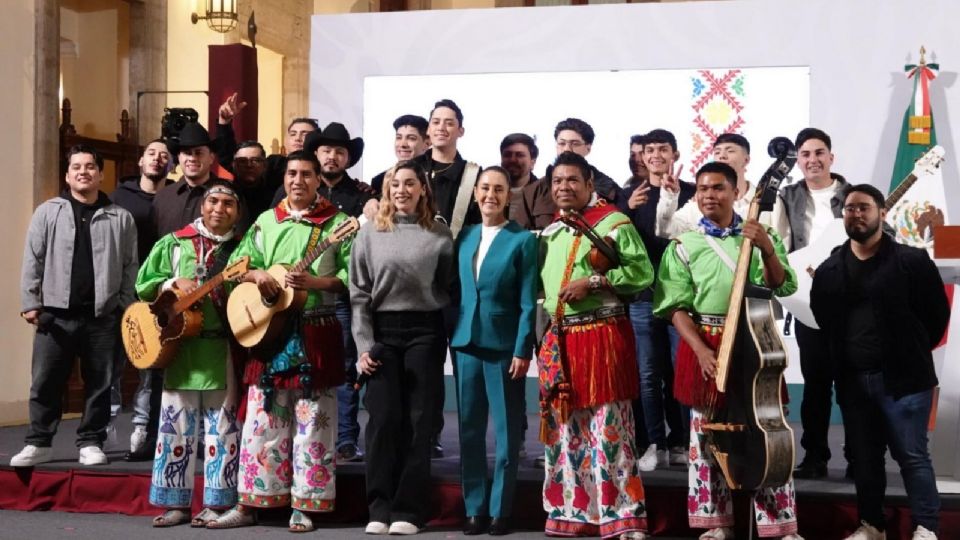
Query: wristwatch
[(594, 282)]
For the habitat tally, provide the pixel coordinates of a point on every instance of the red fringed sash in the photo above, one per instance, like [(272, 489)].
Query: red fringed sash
[(601, 362), (323, 345), (689, 386)]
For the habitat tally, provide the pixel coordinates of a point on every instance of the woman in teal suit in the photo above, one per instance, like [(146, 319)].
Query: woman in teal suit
[(493, 343)]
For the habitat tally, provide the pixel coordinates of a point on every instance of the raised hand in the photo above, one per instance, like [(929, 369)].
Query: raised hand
[(639, 196), (671, 181), (230, 108)]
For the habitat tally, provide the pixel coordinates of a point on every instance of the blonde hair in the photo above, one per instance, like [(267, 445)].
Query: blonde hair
[(426, 210)]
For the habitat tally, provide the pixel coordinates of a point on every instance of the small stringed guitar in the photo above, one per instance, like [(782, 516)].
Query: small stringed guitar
[(255, 319), (151, 332)]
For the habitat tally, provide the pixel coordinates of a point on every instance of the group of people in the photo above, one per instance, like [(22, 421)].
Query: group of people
[(618, 292)]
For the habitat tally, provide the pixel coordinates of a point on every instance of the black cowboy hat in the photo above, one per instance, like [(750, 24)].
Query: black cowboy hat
[(335, 134), (191, 136)]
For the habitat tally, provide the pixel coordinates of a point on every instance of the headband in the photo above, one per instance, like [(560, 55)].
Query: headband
[(222, 190)]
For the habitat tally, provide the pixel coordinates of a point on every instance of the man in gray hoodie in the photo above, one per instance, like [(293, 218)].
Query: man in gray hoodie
[(79, 270)]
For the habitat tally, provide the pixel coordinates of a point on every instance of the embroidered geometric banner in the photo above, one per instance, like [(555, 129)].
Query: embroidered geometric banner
[(717, 103)]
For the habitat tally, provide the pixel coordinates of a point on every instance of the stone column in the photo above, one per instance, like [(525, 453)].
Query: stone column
[(148, 67), (46, 106)]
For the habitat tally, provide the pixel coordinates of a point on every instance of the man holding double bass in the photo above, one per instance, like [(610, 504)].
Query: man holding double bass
[(693, 290), (287, 444)]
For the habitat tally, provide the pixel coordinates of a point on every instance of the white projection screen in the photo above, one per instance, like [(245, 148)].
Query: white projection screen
[(695, 104)]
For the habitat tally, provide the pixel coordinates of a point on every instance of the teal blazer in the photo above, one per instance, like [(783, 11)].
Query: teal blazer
[(498, 311)]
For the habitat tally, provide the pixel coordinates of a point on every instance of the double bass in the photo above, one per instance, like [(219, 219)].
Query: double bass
[(749, 436)]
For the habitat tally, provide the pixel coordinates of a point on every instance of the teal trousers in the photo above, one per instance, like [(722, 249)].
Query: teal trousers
[(484, 387)]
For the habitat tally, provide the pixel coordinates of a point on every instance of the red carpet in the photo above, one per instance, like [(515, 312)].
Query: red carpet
[(823, 516)]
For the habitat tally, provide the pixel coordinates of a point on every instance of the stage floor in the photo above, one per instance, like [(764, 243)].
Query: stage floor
[(826, 508), (446, 468)]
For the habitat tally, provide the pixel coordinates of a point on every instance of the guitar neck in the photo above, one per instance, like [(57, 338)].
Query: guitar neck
[(898, 193), (732, 321), (184, 303), (311, 256)]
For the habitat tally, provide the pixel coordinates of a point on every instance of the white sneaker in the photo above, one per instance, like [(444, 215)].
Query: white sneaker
[(32, 455), (403, 527), (138, 438), (678, 455), (923, 534), (648, 461), (92, 455), (377, 527), (867, 532)]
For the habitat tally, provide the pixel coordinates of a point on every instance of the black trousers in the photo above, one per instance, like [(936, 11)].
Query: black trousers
[(68, 336), (817, 392), (401, 399)]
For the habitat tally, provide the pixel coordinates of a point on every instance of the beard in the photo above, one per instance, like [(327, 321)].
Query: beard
[(332, 175), (861, 235)]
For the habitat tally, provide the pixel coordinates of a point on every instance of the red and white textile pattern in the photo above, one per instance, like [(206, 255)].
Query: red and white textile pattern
[(718, 104)]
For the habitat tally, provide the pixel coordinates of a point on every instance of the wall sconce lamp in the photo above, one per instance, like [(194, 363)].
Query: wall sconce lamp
[(221, 15)]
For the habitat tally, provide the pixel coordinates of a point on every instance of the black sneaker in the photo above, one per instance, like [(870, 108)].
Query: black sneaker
[(349, 452), (810, 470)]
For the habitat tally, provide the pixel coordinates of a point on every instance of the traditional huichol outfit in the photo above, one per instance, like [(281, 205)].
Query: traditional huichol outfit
[(588, 375), (199, 384), (693, 277), (287, 445)]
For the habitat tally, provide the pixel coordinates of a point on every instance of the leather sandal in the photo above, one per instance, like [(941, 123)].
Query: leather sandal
[(203, 517), (174, 516), (300, 522), (232, 519), (719, 533)]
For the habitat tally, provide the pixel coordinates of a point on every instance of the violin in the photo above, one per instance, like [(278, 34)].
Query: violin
[(603, 256)]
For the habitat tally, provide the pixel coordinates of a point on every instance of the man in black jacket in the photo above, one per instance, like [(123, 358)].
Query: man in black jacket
[(883, 308), (135, 195)]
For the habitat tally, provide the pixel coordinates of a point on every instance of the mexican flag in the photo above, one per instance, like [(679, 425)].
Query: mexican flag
[(917, 136)]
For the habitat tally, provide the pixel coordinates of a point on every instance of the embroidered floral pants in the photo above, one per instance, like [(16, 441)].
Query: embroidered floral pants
[(592, 484), (287, 452), (709, 504), (174, 463)]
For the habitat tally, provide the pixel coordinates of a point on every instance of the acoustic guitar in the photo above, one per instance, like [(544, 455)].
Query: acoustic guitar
[(152, 332), (254, 319)]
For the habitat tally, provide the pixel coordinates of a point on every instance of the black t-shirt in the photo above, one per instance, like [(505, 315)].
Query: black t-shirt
[(644, 218), (444, 181), (864, 345), (82, 293)]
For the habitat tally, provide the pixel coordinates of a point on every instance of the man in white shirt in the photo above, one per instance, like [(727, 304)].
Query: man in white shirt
[(804, 209), (730, 148)]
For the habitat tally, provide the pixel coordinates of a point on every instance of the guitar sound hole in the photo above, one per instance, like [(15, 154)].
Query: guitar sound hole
[(270, 302)]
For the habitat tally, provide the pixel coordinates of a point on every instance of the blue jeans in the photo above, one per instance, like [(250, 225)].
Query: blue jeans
[(348, 399), (874, 421), (656, 350)]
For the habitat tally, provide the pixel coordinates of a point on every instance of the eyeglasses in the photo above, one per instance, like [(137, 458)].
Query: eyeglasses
[(249, 162), (852, 209)]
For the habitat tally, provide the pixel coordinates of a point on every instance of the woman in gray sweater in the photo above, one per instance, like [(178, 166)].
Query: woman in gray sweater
[(400, 272)]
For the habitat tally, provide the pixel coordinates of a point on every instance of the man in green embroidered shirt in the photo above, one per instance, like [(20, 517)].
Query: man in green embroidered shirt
[(287, 445), (199, 385), (588, 368)]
